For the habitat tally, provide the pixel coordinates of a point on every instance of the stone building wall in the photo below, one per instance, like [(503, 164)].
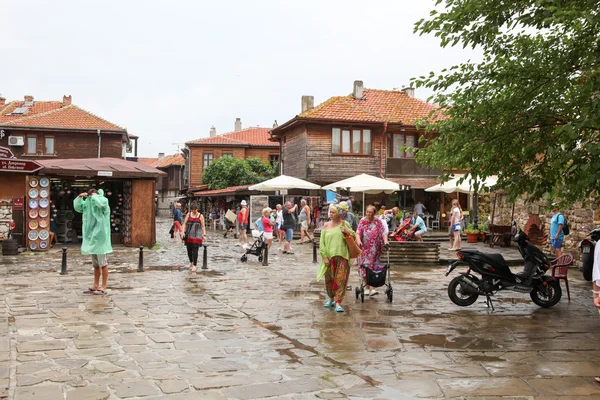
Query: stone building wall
[(5, 217), (578, 216)]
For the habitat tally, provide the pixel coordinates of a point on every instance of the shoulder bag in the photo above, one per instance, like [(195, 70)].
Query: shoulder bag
[(353, 248)]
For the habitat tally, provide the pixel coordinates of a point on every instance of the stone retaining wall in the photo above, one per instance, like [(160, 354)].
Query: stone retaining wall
[(578, 216)]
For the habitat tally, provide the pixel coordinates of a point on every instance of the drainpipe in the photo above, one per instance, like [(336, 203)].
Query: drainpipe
[(385, 126), (99, 142)]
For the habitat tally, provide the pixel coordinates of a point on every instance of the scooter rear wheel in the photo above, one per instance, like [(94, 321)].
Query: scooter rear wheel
[(546, 295), (459, 294)]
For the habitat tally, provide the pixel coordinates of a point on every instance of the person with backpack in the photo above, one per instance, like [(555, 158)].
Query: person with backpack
[(557, 231)]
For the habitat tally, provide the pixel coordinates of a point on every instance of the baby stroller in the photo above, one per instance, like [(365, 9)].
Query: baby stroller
[(376, 276), (256, 249), (400, 234)]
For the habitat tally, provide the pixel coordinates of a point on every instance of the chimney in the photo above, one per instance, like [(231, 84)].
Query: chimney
[(67, 100), (161, 155), (213, 132), (275, 124), (28, 98), (238, 125), (358, 90), (308, 103), (2, 101), (410, 92)]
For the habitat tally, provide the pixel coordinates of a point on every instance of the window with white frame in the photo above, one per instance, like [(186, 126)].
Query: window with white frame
[(351, 141), (395, 143), (207, 159)]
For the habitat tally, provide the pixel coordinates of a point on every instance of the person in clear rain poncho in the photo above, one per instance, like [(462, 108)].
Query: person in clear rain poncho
[(96, 234)]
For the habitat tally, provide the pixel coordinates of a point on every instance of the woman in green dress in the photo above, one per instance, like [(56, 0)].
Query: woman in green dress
[(334, 258)]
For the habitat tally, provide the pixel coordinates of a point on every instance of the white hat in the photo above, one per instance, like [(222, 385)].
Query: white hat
[(243, 202)]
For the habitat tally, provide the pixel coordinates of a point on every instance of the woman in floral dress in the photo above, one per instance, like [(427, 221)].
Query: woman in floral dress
[(371, 237)]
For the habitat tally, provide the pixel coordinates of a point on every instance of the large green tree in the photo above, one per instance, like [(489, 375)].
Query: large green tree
[(227, 171), (529, 109)]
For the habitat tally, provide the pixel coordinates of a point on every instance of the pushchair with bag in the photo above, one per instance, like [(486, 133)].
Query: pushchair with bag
[(376, 276), (256, 248)]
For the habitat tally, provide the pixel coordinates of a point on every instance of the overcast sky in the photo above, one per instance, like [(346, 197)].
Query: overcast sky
[(169, 70)]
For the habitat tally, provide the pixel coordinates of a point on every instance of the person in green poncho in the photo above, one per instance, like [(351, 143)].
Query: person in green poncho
[(334, 258), (96, 234)]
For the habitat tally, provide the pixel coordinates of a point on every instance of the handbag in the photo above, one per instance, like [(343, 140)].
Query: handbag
[(172, 231), (353, 248)]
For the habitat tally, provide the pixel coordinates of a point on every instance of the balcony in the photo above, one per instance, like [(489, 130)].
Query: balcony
[(405, 167)]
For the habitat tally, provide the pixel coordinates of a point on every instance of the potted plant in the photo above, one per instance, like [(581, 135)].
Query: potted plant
[(482, 230), (472, 233)]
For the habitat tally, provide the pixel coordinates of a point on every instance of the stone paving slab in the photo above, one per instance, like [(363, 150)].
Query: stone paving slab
[(243, 330)]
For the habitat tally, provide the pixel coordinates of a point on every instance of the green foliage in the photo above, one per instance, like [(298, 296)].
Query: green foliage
[(227, 171), (471, 228), (261, 169), (530, 110)]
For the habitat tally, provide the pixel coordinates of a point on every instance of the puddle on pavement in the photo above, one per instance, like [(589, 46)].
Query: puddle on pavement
[(513, 300), (302, 293), (172, 268), (484, 358), (408, 314), (462, 342), (376, 325)]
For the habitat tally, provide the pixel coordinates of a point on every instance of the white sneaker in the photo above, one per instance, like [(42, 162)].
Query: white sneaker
[(373, 292)]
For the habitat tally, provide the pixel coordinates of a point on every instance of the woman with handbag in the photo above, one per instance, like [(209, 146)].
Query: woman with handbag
[(334, 257), (371, 237), (195, 234)]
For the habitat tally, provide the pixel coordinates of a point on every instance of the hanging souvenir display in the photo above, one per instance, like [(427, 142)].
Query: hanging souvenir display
[(33, 193), (44, 182)]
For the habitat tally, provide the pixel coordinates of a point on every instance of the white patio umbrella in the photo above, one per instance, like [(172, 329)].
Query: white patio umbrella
[(366, 184), (283, 182), (452, 186)]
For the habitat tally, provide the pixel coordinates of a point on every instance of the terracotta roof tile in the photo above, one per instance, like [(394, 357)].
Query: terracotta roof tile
[(54, 114), (246, 137), (375, 106), (147, 161), (174, 159)]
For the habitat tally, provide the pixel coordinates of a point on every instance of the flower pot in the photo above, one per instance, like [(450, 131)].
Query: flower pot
[(472, 237)]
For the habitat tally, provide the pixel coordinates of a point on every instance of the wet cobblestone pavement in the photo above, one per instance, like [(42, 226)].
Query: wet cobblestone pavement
[(246, 331)]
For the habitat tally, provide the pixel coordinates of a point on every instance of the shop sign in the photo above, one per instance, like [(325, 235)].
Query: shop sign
[(18, 203), (16, 165), (5, 152), (2, 134), (104, 173)]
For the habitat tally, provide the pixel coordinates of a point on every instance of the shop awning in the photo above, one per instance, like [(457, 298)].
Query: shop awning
[(103, 167), (221, 192), (416, 183)]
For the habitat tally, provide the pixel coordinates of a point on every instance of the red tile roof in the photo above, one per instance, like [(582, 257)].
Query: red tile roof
[(54, 114), (392, 106), (246, 137), (147, 161), (166, 161)]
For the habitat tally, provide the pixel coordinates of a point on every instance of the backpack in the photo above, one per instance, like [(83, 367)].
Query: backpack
[(566, 228)]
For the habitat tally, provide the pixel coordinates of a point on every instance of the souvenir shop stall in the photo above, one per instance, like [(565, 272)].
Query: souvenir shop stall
[(128, 186)]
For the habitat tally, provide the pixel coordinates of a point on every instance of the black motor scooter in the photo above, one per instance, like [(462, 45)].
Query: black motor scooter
[(587, 246), (495, 273)]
